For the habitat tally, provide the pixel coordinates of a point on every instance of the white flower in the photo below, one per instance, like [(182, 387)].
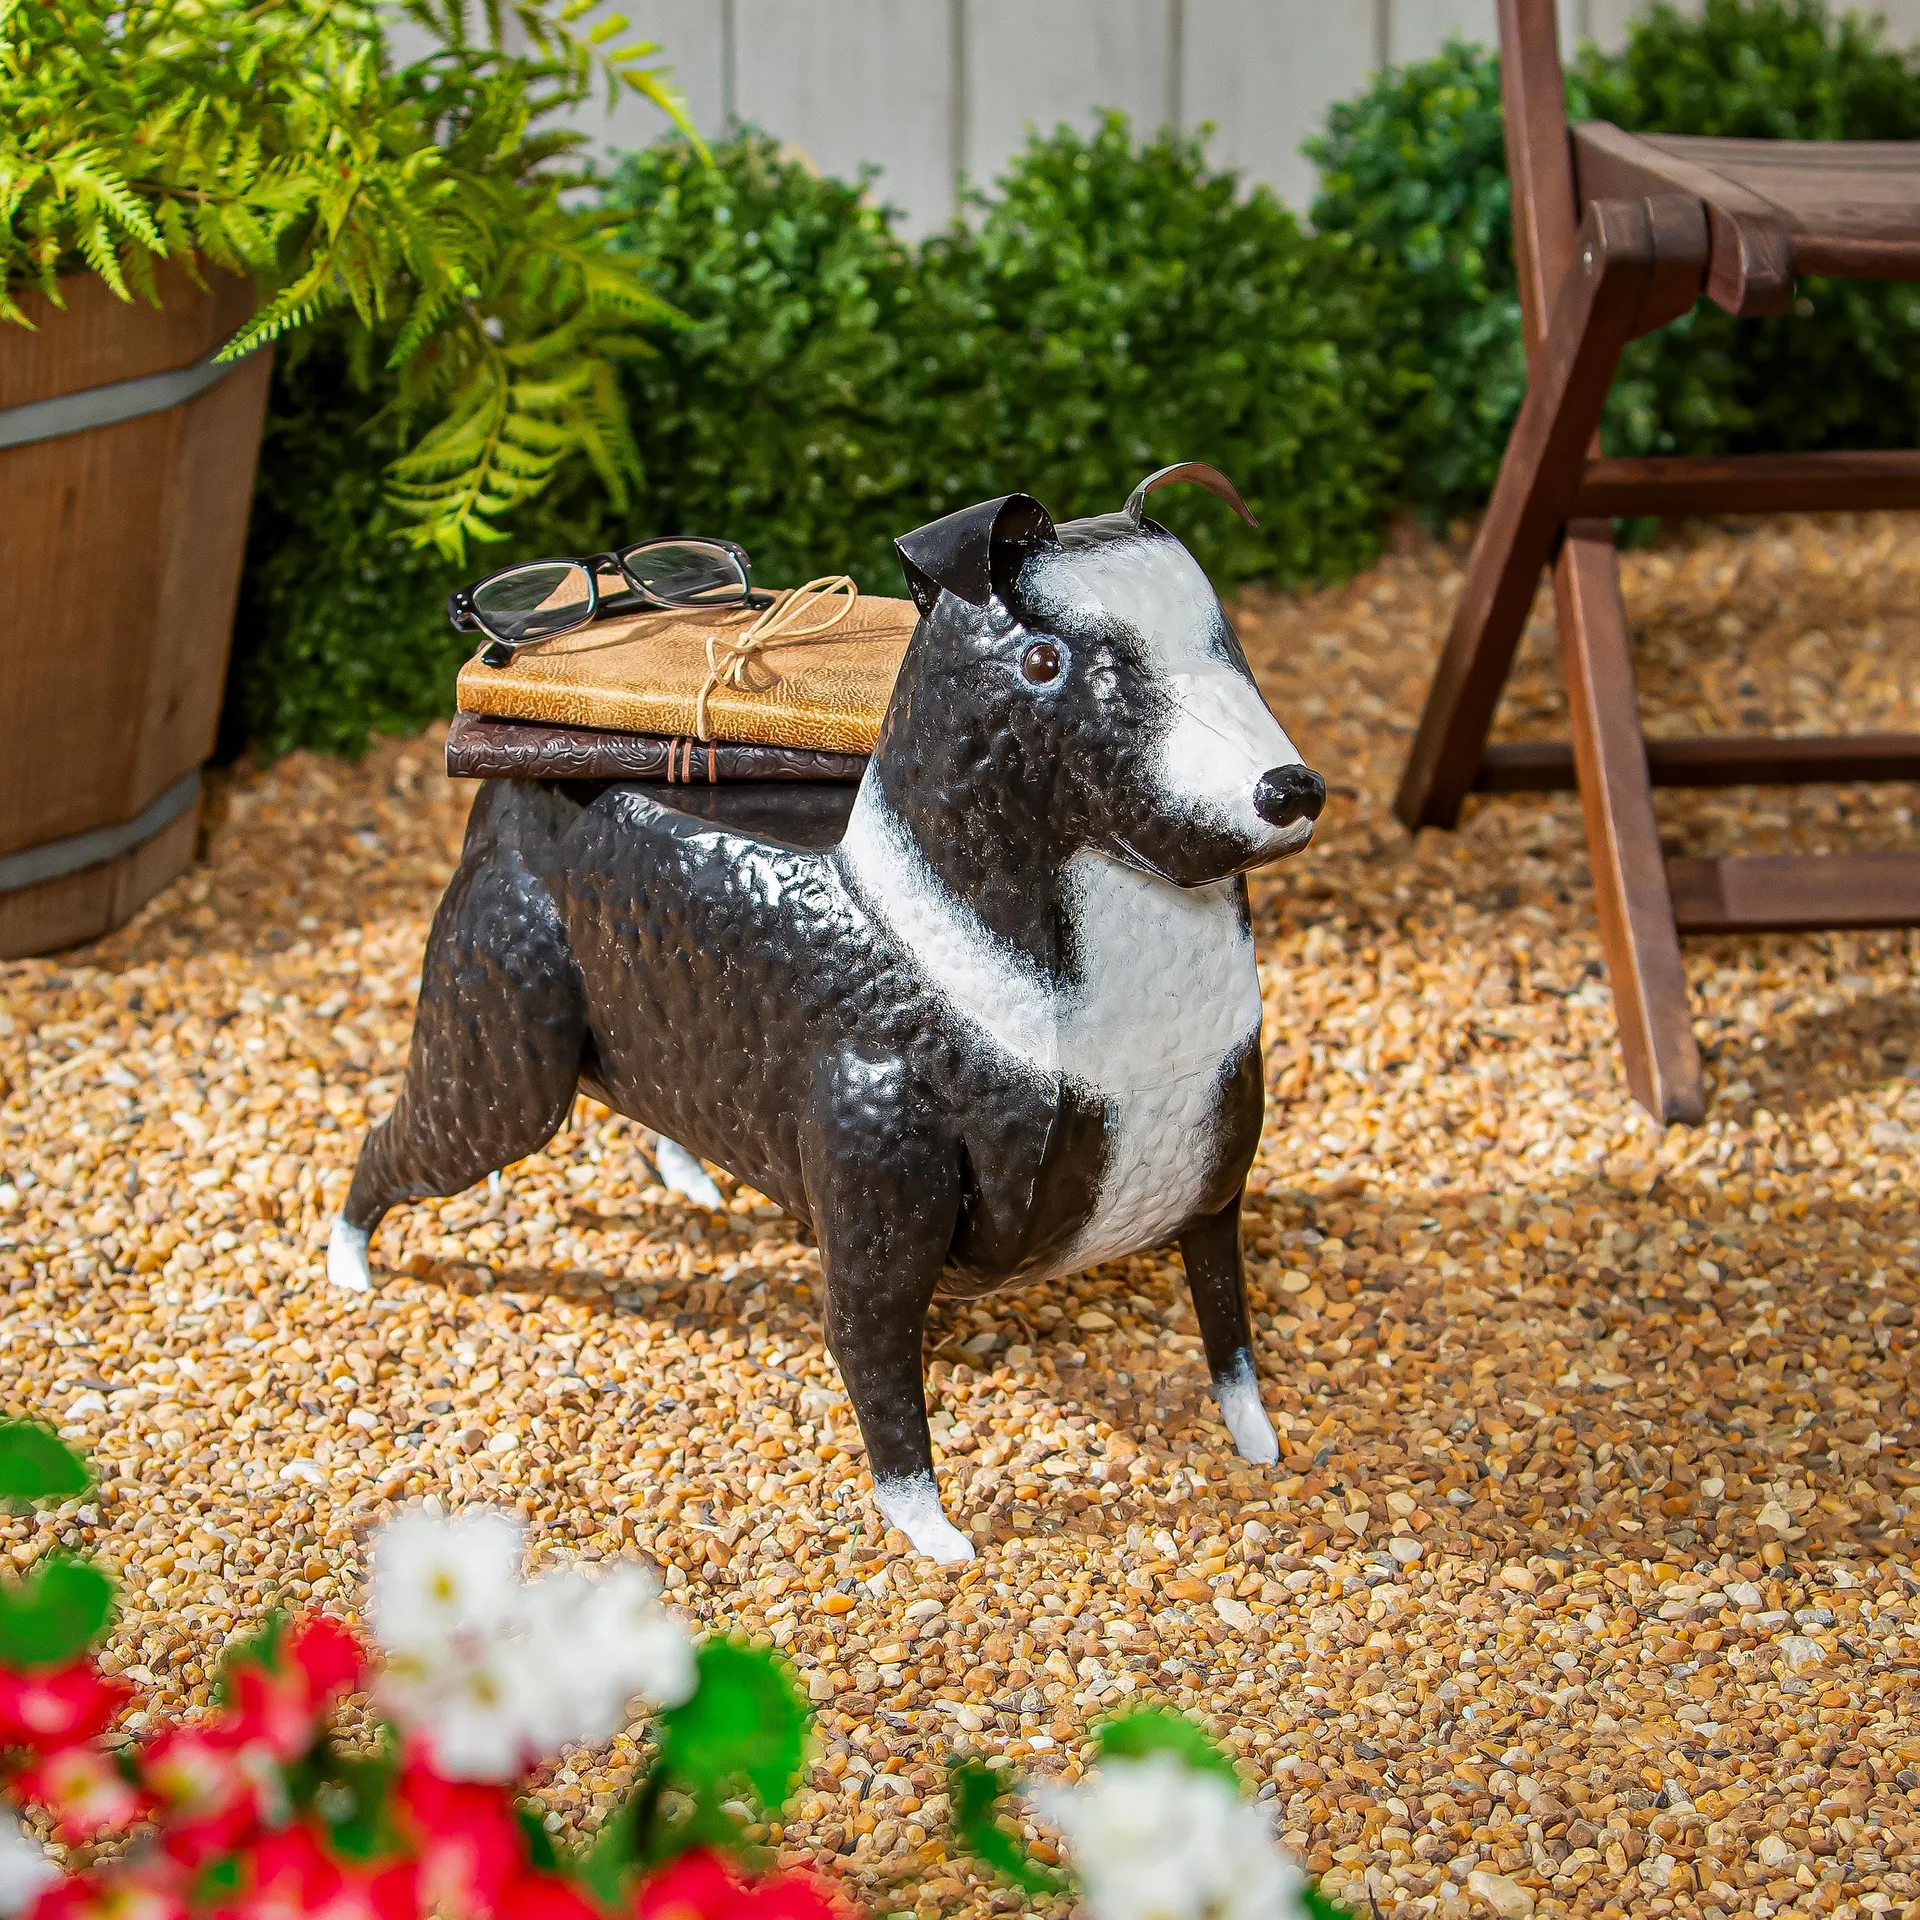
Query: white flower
[(1155, 1839), (476, 1709), (599, 1642), (573, 1699), (436, 1579), (647, 1650), (25, 1870), (494, 1671)]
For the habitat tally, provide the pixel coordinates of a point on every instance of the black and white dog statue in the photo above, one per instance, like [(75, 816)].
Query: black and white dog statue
[(988, 1019)]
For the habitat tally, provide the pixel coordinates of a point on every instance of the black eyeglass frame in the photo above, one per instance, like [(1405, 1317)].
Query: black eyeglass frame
[(464, 617)]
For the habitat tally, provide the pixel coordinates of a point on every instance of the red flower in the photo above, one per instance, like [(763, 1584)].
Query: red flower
[(84, 1790), (470, 1846), (58, 1709), (328, 1655), (218, 1780), (152, 1890), (269, 1710), (545, 1896), (701, 1886), (291, 1876), (793, 1896), (212, 1790), (280, 1705)]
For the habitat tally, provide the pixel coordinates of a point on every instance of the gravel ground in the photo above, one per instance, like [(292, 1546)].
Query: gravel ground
[(1589, 1570)]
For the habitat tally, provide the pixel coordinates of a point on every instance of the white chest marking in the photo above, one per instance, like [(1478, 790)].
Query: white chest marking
[(989, 985), (1166, 994)]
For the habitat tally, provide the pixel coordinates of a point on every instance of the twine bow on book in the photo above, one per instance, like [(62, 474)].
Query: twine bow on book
[(792, 621)]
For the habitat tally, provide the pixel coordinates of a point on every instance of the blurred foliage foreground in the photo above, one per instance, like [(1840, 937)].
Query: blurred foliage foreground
[(264, 1810)]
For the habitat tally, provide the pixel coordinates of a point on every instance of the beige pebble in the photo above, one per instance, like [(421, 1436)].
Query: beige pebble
[(1508, 1898)]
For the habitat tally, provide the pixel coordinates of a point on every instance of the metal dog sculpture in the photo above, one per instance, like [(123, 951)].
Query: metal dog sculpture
[(988, 1019)]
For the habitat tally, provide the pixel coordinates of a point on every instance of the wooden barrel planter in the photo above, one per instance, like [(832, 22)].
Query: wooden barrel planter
[(126, 471)]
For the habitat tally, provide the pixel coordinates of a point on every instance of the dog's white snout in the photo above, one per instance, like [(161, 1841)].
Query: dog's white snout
[(1222, 745)]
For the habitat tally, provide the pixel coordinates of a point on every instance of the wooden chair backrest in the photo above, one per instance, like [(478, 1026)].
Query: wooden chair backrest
[(1533, 93)]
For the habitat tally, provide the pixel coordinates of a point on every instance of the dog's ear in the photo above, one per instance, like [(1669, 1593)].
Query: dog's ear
[(977, 552), (1201, 475)]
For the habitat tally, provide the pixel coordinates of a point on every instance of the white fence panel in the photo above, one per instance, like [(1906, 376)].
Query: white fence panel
[(1418, 29), (852, 81), (1263, 71), (693, 40), (927, 89), (1030, 67)]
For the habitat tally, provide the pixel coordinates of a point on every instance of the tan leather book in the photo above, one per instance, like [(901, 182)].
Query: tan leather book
[(646, 674)]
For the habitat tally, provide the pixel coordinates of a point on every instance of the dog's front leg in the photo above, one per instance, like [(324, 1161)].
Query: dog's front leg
[(1211, 1250), (885, 1195)]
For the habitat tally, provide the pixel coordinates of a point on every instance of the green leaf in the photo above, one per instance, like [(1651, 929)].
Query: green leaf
[(1151, 1730), (976, 1793), (1320, 1907), (351, 1793), (745, 1723), (703, 1822), (540, 1848), (54, 1615), (260, 1648), (218, 1881), (36, 1465), (616, 1849)]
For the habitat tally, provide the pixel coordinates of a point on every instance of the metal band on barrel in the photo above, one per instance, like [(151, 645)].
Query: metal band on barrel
[(53, 859), (108, 405)]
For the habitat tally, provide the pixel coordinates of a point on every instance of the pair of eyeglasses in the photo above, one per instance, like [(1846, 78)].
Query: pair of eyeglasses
[(537, 599)]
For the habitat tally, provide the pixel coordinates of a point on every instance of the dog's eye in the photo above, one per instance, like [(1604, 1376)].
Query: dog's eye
[(1041, 662)]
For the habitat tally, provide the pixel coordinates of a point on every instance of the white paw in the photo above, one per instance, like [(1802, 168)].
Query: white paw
[(1239, 1398), (913, 1505), (347, 1257), (683, 1174)]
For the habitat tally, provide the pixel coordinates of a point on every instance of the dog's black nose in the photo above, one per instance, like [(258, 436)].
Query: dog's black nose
[(1288, 795)]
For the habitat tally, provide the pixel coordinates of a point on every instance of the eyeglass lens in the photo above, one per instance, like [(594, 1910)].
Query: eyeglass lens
[(531, 602), (686, 573)]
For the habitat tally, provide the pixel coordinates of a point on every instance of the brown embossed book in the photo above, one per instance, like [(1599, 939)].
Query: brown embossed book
[(644, 674), (480, 748)]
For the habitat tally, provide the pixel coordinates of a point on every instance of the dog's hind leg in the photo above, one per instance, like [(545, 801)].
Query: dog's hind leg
[(498, 1040), (885, 1198), (682, 1173), (1210, 1249)]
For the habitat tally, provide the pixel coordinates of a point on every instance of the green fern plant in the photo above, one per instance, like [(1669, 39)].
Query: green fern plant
[(284, 140)]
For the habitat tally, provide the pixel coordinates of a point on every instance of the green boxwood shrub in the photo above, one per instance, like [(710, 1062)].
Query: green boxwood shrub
[(1117, 307), (1131, 308), (1413, 173), (1414, 176), (788, 411)]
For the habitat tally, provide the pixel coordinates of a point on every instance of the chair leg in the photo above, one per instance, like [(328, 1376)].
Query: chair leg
[(1637, 930), (1638, 264)]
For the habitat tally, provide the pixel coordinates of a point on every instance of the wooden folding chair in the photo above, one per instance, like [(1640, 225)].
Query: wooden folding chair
[(1616, 234)]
